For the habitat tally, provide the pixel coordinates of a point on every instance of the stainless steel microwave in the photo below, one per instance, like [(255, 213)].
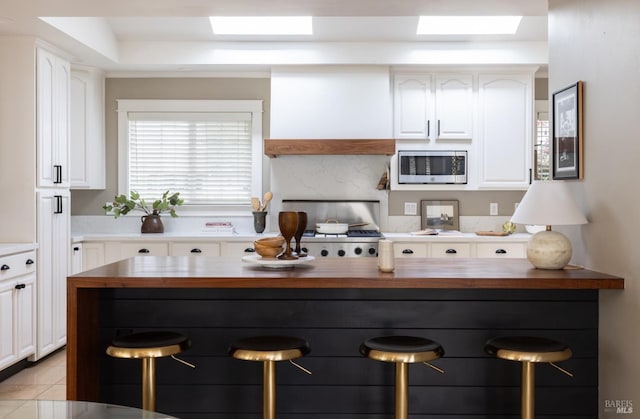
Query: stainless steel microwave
[(432, 166)]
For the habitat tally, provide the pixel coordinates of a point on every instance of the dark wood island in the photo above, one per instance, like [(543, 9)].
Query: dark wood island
[(335, 304)]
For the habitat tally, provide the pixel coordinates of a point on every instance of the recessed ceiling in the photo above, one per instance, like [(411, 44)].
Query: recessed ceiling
[(179, 32)]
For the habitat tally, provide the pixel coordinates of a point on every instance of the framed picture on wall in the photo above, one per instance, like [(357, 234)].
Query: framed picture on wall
[(440, 215), (568, 150)]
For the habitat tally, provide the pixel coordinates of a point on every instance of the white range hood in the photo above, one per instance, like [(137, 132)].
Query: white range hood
[(331, 102)]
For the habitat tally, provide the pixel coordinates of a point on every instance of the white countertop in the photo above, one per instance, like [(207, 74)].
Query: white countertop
[(207, 237), (13, 248)]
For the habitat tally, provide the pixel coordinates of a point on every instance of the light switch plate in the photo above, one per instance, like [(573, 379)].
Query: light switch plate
[(410, 208)]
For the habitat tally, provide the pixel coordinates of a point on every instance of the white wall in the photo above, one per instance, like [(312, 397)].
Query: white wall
[(599, 42)]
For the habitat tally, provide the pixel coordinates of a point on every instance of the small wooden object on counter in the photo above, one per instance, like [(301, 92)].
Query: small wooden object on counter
[(492, 233), (288, 223)]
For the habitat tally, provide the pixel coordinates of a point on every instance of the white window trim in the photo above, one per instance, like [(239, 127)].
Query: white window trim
[(152, 105)]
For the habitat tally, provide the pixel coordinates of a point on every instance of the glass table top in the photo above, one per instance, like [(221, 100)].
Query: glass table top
[(65, 409)]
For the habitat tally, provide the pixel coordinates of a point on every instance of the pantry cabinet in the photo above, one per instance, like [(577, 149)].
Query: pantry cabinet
[(53, 91), (433, 106), (87, 135), (53, 268), (17, 307)]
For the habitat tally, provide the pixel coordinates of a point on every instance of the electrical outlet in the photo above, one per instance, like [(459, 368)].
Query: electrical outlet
[(493, 208), (410, 208)]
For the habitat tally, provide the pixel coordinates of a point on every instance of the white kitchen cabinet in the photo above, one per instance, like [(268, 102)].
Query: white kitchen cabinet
[(87, 136), (92, 255), (505, 125), (53, 268), (53, 92), (115, 251), (75, 258), (194, 249), (17, 307), (433, 107)]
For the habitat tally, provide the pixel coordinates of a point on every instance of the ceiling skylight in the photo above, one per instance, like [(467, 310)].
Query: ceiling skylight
[(468, 25), (261, 25)]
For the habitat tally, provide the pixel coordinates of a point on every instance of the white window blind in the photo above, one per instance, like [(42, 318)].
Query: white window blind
[(208, 150), (207, 157)]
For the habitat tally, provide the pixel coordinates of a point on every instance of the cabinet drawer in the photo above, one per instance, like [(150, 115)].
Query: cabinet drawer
[(117, 251), (501, 250), (407, 250), (237, 249), (459, 250), (17, 265), (195, 249)]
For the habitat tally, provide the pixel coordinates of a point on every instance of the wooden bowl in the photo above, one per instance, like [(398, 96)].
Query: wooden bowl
[(271, 241), (267, 251)]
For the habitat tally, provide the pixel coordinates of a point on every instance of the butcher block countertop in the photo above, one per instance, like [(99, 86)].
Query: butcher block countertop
[(232, 272)]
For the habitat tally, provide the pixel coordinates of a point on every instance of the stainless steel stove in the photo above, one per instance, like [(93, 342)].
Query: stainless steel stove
[(356, 242)]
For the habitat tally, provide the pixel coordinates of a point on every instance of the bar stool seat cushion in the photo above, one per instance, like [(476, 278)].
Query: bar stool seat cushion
[(151, 344), (406, 349), (528, 348), (269, 348)]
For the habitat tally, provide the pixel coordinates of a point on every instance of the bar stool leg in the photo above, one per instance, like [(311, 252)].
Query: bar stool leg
[(402, 385), (269, 390), (527, 391), (149, 384)]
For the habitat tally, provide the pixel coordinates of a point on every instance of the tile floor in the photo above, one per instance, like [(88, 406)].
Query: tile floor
[(46, 380)]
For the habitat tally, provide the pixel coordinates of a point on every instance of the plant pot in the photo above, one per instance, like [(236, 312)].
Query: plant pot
[(151, 224)]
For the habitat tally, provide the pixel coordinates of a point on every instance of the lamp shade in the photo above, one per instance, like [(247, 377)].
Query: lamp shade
[(548, 203)]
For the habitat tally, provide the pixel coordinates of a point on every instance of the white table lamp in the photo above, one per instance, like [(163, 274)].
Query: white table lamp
[(548, 203)]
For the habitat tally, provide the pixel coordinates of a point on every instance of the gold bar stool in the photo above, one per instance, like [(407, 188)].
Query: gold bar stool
[(268, 350), (528, 350), (402, 350), (148, 346)]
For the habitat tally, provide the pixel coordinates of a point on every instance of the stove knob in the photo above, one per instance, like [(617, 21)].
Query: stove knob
[(324, 252), (341, 253), (358, 250), (372, 251)]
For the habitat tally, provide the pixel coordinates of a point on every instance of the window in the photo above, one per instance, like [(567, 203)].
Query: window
[(210, 151), (542, 148)]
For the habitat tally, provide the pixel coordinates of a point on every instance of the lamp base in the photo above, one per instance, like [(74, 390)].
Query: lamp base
[(549, 250)]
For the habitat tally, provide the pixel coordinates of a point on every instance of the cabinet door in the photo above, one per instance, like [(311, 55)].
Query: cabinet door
[(195, 249), (7, 335), (412, 107), (25, 310), (92, 255), (505, 127), (410, 249), (454, 107), (87, 143), (53, 268), (53, 91), (76, 259)]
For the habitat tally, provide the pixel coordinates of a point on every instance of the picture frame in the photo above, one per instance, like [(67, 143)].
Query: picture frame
[(439, 215), (568, 147)]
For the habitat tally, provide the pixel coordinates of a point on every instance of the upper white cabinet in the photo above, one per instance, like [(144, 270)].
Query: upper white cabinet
[(87, 166), (505, 103), (433, 107), (53, 91)]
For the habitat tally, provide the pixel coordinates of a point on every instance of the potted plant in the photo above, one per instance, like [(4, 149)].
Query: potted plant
[(151, 222)]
